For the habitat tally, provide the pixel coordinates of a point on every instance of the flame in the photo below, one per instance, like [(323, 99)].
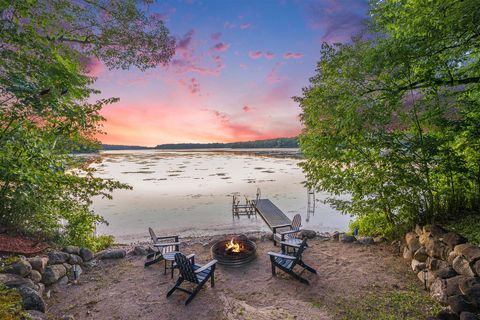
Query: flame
[(235, 247)]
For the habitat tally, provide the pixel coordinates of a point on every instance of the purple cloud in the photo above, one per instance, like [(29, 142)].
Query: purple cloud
[(269, 55), (273, 76), (221, 47), (255, 54), (293, 55), (244, 26), (228, 25), (184, 42), (216, 35)]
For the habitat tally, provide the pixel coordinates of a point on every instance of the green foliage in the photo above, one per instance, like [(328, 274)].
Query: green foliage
[(11, 307), (48, 108), (407, 304), (469, 227), (376, 224), (392, 119), (271, 143)]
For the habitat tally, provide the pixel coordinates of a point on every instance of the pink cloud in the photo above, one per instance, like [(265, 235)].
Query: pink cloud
[(293, 55), (235, 130), (269, 55), (246, 108), (221, 47), (191, 84), (165, 16), (244, 26), (255, 54), (273, 76), (184, 42), (93, 66), (216, 35), (243, 66), (228, 25)]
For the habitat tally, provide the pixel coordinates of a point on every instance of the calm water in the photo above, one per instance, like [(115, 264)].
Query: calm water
[(190, 192)]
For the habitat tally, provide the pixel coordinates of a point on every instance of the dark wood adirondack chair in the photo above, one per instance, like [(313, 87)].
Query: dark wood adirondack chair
[(194, 273), (166, 247), (288, 262), (288, 233)]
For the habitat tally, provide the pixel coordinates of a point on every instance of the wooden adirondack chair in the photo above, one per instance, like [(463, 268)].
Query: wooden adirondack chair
[(288, 262), (166, 247), (288, 233), (194, 273)]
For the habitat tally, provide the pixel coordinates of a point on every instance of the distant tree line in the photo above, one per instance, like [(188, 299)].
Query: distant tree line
[(271, 143)]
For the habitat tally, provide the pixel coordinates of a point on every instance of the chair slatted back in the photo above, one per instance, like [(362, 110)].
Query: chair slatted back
[(152, 235), (185, 267), (297, 222), (298, 253)]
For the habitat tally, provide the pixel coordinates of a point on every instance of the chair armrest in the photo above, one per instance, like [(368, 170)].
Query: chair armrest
[(287, 244), (206, 266), (274, 229), (289, 232), (191, 257), (161, 245), (167, 237), (279, 255)]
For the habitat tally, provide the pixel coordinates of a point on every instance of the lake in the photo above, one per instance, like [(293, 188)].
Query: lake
[(190, 192)]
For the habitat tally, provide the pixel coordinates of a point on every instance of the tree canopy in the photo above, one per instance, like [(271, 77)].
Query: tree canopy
[(392, 118), (48, 107)]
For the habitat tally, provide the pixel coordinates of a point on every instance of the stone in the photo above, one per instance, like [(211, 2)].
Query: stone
[(62, 281), (451, 256), (407, 253), (467, 283), (11, 280), (86, 254), (20, 267), (53, 273), (112, 254), (438, 291), (347, 238), (365, 240), (462, 266), (447, 315), (460, 303), (473, 293), (470, 252), (436, 264), (452, 239), (411, 239), (437, 249), (418, 266), (307, 234), (40, 288), (427, 276), (31, 299), (38, 263), (76, 268), (37, 315), (57, 257), (421, 254), (418, 230), (476, 268), (453, 285), (140, 251), (424, 238), (35, 276), (335, 235), (469, 316), (379, 240), (74, 259), (71, 250), (67, 266), (445, 273), (435, 231)]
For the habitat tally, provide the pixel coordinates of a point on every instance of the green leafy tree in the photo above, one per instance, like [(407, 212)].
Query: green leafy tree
[(392, 118), (46, 108)]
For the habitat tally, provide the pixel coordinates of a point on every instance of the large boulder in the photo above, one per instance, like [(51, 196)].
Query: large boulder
[(460, 303), (453, 285), (438, 291), (411, 239), (86, 254), (31, 299), (462, 266), (428, 276), (436, 264), (452, 239), (112, 254), (347, 238), (467, 283), (437, 249), (446, 315), (139, 251), (38, 263), (418, 230), (35, 276), (365, 240), (470, 252), (53, 273), (435, 231), (469, 316), (424, 238), (11, 280), (476, 267), (21, 267), (421, 255), (418, 266), (473, 294), (74, 259), (407, 253), (307, 234), (57, 257), (71, 250), (445, 273)]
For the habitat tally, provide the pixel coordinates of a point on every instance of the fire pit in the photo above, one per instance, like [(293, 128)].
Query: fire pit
[(234, 252)]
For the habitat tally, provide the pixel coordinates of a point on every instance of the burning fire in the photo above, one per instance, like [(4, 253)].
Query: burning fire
[(233, 246)]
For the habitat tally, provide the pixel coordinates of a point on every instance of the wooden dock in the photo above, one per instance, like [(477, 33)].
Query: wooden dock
[(271, 214)]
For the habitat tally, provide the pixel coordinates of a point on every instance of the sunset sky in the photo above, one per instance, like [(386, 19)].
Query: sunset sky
[(236, 67)]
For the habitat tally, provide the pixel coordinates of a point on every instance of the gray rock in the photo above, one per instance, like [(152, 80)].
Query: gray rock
[(470, 252), (365, 240), (11, 280), (140, 251), (469, 316), (74, 259), (20, 267), (451, 256), (38, 263), (37, 315), (473, 293), (86, 254), (112, 254), (438, 291), (76, 269), (379, 240), (437, 249), (57, 257), (445, 273), (418, 266), (418, 230), (467, 283), (62, 282), (453, 285), (462, 266), (35, 276), (347, 238), (72, 250), (424, 238), (427, 276), (421, 255), (31, 299), (436, 264), (435, 231), (68, 267), (407, 253), (307, 234), (447, 315), (476, 267), (40, 288), (335, 235), (460, 303), (411, 239), (53, 273), (452, 239)]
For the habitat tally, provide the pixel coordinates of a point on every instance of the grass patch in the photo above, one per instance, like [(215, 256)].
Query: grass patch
[(408, 304), (11, 305)]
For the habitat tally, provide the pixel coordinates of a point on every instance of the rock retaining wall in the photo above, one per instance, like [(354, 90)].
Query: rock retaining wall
[(448, 267)]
